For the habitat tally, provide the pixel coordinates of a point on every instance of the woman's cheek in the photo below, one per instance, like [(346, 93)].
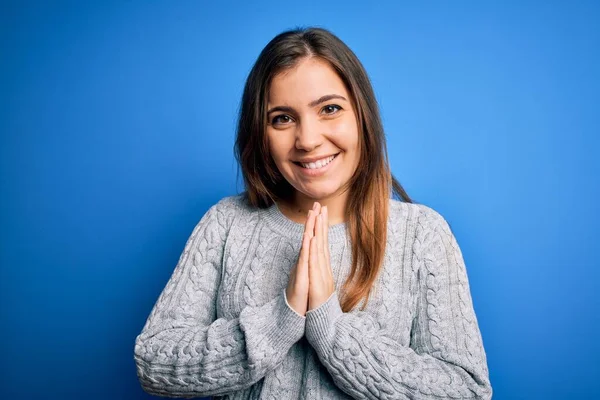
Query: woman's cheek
[(345, 131), (338, 125), (276, 143)]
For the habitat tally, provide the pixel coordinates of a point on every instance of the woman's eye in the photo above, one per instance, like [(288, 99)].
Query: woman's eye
[(281, 119), (331, 109)]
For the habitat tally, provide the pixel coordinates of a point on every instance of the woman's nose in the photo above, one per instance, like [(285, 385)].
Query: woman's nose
[(308, 135)]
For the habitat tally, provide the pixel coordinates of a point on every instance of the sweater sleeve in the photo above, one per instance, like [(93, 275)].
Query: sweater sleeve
[(445, 359), (184, 350)]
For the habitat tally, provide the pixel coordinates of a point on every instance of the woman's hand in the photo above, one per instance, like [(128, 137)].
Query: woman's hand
[(321, 284), (311, 280), (297, 288)]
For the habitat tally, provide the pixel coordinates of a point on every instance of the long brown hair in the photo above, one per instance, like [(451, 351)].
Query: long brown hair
[(372, 184)]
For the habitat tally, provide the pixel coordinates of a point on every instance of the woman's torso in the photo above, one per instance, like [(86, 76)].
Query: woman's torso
[(262, 247)]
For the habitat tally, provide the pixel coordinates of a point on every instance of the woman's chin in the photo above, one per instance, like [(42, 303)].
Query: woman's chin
[(317, 194)]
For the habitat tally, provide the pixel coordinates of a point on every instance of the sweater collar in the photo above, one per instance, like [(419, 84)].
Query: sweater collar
[(294, 230)]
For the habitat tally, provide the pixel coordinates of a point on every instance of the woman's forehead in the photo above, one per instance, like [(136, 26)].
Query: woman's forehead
[(309, 80)]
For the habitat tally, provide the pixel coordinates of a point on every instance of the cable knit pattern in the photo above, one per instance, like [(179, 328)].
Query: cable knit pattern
[(222, 325)]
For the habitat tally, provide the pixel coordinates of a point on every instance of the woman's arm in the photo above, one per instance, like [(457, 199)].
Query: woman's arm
[(184, 351), (445, 360)]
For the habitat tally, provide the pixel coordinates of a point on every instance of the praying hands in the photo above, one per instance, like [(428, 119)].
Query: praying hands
[(311, 280)]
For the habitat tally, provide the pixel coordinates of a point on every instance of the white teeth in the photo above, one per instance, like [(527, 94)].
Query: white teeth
[(318, 164)]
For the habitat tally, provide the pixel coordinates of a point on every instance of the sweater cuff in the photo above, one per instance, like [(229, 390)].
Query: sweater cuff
[(272, 328), (320, 323), (289, 325)]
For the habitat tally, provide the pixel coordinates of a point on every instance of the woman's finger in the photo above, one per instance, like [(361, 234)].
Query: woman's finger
[(316, 212), (313, 266), (325, 213), (309, 227), (326, 239), (321, 230), (304, 250), (320, 247)]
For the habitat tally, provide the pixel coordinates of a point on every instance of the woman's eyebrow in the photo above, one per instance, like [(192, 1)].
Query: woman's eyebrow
[(313, 103), (325, 98), (281, 108)]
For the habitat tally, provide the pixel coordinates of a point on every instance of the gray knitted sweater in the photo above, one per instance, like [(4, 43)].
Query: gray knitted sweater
[(222, 325)]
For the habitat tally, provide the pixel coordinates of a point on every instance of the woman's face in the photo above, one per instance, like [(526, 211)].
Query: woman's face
[(310, 119)]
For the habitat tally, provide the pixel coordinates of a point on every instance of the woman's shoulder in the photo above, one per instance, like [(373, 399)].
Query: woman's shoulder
[(229, 203), (424, 217), (232, 207), (226, 208), (412, 209), (234, 204)]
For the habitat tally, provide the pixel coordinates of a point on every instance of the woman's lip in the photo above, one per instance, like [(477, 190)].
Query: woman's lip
[(316, 171)]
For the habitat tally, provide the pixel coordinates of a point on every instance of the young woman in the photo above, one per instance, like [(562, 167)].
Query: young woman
[(315, 283)]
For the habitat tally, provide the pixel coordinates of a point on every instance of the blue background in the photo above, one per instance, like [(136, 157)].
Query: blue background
[(117, 125)]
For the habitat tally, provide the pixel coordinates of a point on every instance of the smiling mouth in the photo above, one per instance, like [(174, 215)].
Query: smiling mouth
[(318, 165)]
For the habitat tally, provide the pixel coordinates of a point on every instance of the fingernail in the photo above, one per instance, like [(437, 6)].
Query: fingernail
[(315, 206)]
